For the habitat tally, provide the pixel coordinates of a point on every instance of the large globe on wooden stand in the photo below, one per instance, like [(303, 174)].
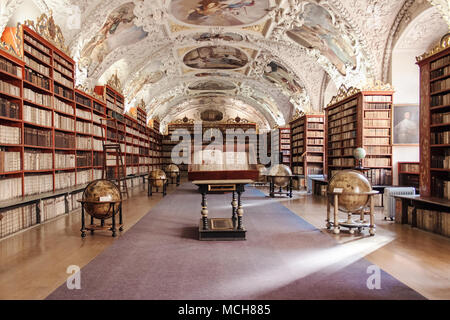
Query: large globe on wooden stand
[(350, 183), (158, 176), (262, 172), (172, 170), (282, 174), (96, 190)]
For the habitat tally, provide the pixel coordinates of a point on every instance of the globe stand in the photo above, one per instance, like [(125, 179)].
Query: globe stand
[(152, 184), (272, 186), (114, 208), (336, 224), (174, 177)]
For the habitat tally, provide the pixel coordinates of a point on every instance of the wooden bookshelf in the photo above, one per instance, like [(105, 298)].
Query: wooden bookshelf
[(409, 174), (308, 145), (283, 136), (435, 121), (355, 119)]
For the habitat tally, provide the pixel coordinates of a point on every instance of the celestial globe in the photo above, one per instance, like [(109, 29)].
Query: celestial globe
[(173, 170), (158, 176), (101, 190), (282, 174), (349, 184)]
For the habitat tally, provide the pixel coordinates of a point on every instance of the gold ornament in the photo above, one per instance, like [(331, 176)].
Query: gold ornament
[(443, 44), (114, 82)]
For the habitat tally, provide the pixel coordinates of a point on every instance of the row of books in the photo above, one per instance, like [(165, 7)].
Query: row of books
[(440, 62), (9, 109), (37, 44), (379, 177), (378, 150), (11, 188), (343, 136), (316, 126), (37, 137), (11, 68), (17, 219), (440, 137), (347, 105), (38, 116), (441, 161), (349, 143), (64, 161), (377, 114), (84, 114), (85, 127), (377, 162), (433, 221), (378, 98), (37, 79), (440, 73), (440, 100), (82, 100), (52, 208), (9, 88), (343, 162), (38, 98), (64, 140), (84, 177), (345, 113), (84, 143), (66, 93), (314, 149), (341, 122), (97, 159), (10, 161), (97, 145), (410, 167), (84, 159), (377, 123), (311, 158), (440, 85), (63, 80), (35, 160), (315, 141), (440, 187), (37, 66), (376, 141), (377, 132), (35, 184), (377, 106), (62, 61), (64, 180), (35, 53), (316, 134), (64, 123), (440, 118), (10, 135), (62, 69)]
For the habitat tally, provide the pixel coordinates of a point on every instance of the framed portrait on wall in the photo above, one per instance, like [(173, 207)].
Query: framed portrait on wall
[(406, 125)]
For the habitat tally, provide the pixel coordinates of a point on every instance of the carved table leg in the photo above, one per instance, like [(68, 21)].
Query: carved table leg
[(240, 212), (336, 219), (204, 211), (234, 205)]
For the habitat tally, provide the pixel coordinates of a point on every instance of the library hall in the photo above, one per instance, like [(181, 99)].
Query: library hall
[(211, 152)]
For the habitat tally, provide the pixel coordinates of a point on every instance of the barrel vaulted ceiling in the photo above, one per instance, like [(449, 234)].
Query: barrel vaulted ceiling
[(267, 58)]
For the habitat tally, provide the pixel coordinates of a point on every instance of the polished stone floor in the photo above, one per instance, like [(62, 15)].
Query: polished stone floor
[(34, 263)]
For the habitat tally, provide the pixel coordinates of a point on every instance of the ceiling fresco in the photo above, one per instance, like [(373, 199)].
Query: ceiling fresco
[(270, 56)]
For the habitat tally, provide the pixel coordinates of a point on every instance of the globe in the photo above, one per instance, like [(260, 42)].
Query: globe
[(262, 170), (158, 176), (350, 181), (359, 153), (94, 192), (172, 170), (282, 173)]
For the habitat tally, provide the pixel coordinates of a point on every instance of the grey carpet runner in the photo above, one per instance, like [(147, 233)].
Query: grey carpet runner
[(284, 257)]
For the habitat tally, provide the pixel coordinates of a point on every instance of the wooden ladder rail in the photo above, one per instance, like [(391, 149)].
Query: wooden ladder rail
[(115, 148)]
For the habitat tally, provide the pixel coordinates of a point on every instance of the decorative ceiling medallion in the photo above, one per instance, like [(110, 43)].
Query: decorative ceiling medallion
[(211, 115), (228, 36), (219, 13), (114, 82), (212, 85), (47, 28), (216, 57), (444, 44)]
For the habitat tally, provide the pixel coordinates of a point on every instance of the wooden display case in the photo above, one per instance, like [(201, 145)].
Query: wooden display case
[(355, 119)]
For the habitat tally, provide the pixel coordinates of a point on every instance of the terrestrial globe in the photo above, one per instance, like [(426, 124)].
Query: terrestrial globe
[(262, 172), (93, 193), (172, 170), (359, 153), (282, 174), (158, 176), (351, 183)]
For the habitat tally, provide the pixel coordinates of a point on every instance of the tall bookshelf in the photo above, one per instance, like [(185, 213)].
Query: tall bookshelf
[(283, 137), (409, 174), (308, 145), (355, 119), (435, 121)]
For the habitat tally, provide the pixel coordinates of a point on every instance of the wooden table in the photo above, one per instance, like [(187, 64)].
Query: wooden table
[(333, 197), (222, 228)]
